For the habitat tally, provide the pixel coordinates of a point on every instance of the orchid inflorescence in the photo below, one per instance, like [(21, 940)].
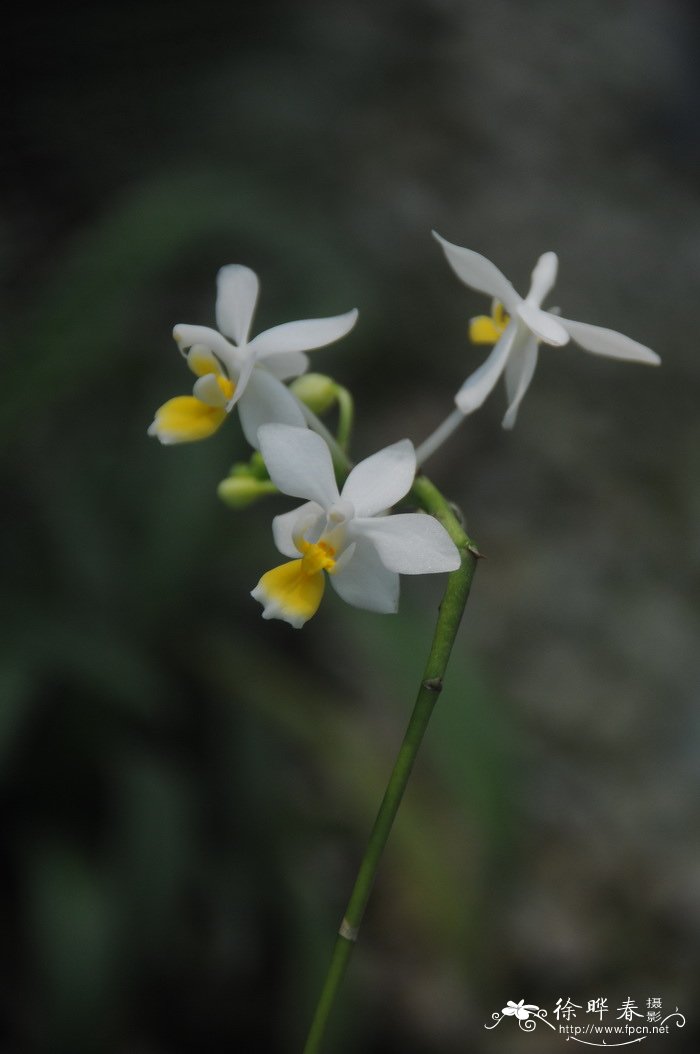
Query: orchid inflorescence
[(350, 533)]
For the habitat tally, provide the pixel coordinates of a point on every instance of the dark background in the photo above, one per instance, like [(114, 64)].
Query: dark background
[(186, 790)]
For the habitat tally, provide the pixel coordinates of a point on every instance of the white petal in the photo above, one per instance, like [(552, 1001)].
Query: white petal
[(304, 335), (479, 273), (207, 390), (345, 556), (411, 543), (299, 463), (519, 370), (285, 365), (283, 526), (267, 401), (544, 276), (607, 342), (366, 583), (187, 336), (381, 480), (241, 377), (237, 294), (482, 382), (543, 324)]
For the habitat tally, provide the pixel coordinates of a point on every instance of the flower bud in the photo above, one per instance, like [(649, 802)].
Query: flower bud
[(240, 491), (316, 391), (257, 466)]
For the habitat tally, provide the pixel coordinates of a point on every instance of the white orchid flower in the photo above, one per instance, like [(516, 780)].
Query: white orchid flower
[(233, 370), (344, 533), (517, 326)]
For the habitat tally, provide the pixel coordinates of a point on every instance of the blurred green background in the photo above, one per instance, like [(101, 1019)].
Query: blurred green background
[(187, 790)]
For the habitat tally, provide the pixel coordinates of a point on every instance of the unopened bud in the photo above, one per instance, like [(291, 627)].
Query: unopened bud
[(240, 491), (316, 391), (255, 467)]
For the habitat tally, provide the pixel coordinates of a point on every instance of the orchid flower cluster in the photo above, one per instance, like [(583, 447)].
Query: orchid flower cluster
[(351, 534), (351, 527)]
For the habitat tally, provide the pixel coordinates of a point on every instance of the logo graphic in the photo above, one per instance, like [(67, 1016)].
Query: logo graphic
[(521, 1010), (631, 1024)]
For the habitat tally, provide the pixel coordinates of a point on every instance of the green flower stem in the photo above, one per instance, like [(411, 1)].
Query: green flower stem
[(341, 462), (425, 494), (346, 416)]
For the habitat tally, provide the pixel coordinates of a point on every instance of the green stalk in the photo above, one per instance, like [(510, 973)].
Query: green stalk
[(452, 607), (341, 462), (346, 416)]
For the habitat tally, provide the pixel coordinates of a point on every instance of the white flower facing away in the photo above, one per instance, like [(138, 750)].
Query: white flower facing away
[(233, 370), (518, 325), (347, 533)]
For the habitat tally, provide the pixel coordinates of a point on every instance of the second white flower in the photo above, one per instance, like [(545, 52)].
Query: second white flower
[(346, 534)]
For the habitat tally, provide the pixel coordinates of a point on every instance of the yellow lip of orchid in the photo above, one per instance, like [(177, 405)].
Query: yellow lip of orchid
[(190, 418), (186, 419), (486, 329), (293, 591)]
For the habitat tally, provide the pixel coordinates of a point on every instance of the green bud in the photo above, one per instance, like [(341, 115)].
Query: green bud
[(316, 391), (240, 491), (242, 469), (255, 468), (258, 468)]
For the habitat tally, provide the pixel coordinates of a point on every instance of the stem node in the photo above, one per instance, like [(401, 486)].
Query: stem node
[(348, 931)]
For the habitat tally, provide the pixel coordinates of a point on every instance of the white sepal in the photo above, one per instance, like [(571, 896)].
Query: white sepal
[(267, 401), (544, 276), (519, 371), (602, 341), (237, 294), (365, 582), (479, 273), (481, 383), (303, 335)]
